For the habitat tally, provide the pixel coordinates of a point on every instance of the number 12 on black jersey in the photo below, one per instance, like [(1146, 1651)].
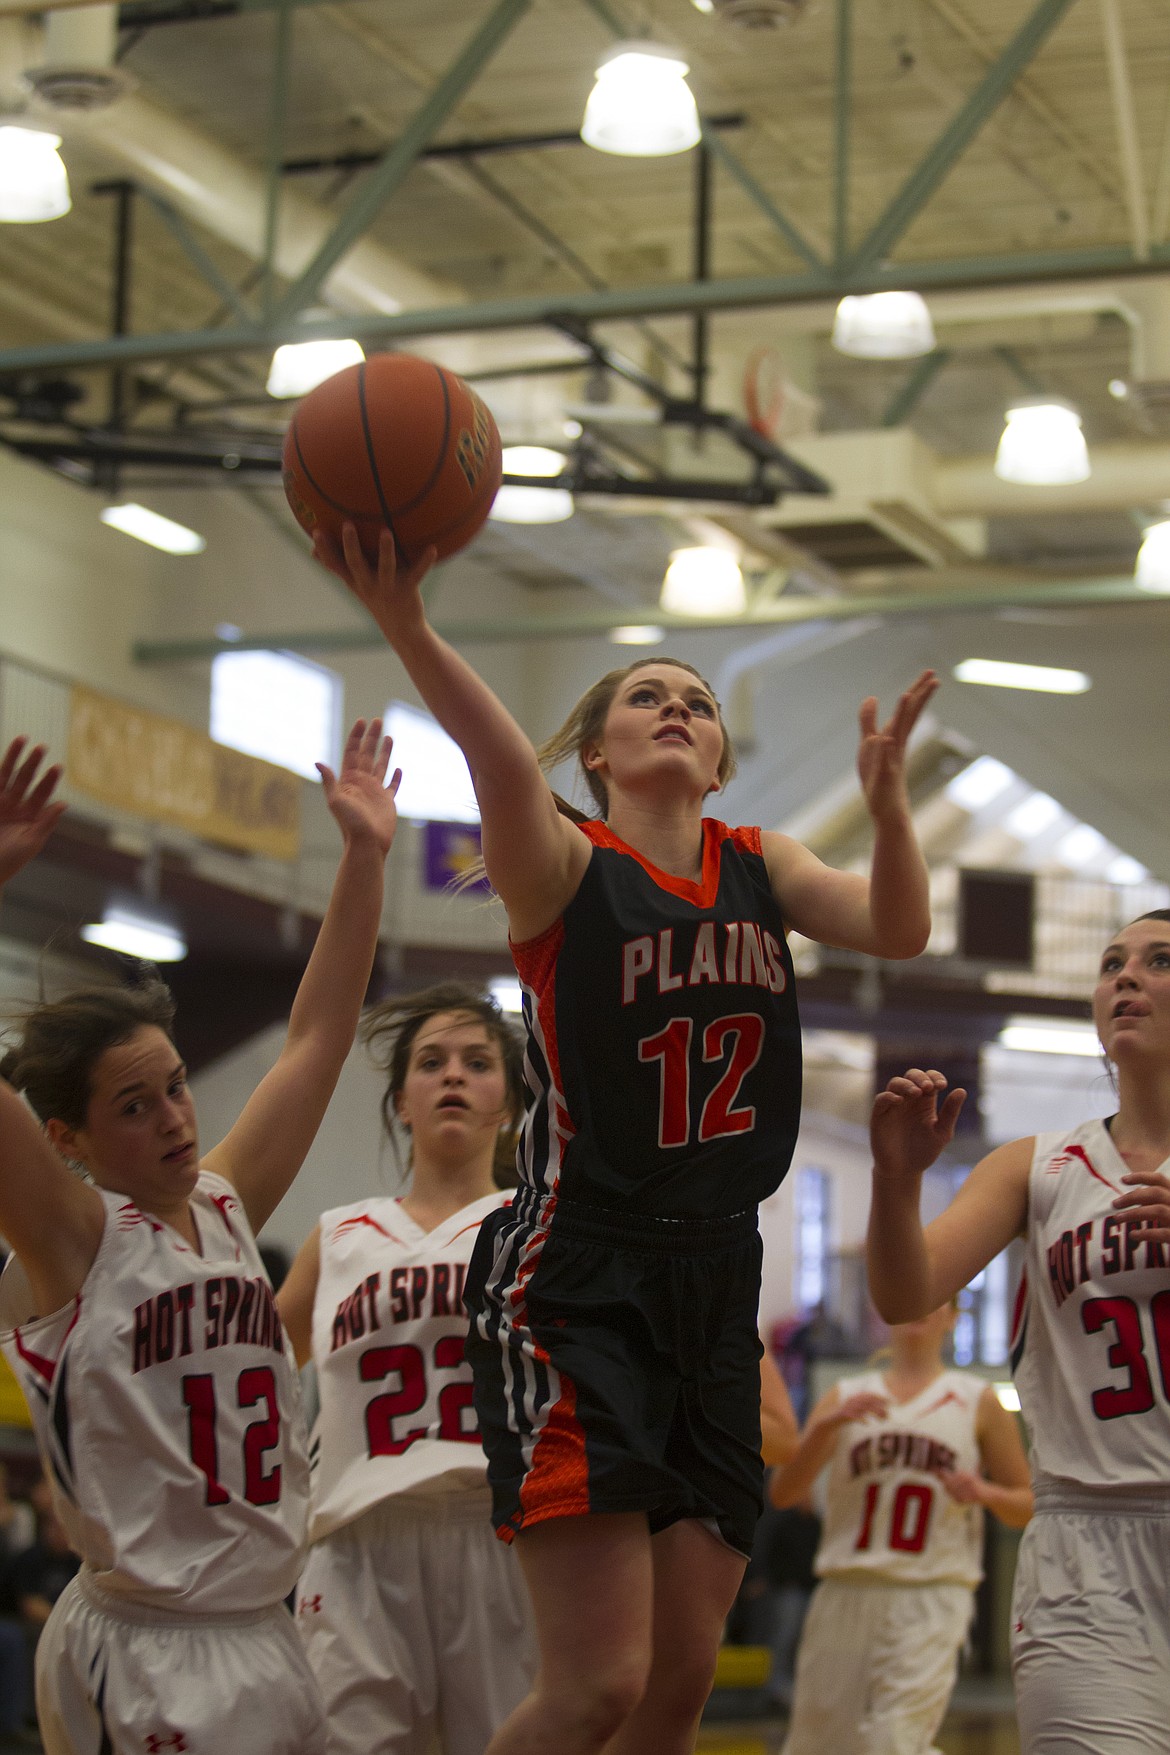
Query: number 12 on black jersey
[(741, 1039)]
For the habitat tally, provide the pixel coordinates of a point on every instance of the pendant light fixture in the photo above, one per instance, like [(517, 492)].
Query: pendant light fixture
[(641, 105)]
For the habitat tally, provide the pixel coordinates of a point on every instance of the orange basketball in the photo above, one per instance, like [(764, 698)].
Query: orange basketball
[(394, 443)]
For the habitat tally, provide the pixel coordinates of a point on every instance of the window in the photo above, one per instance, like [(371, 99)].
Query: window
[(276, 706), (812, 1237), (436, 786)]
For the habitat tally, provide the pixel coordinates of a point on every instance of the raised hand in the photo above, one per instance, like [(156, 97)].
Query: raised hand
[(907, 1128), (881, 754), (390, 593), (359, 798), (27, 815), (1147, 1199)]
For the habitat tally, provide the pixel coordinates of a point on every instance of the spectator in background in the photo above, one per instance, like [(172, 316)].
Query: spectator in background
[(18, 1524), (17, 1534), (39, 1575)]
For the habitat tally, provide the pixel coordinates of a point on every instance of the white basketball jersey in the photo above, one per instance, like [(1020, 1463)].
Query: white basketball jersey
[(168, 1411), (887, 1513), (1091, 1342), (388, 1334)]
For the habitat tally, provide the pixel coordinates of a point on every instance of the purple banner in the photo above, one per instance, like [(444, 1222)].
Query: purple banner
[(450, 850)]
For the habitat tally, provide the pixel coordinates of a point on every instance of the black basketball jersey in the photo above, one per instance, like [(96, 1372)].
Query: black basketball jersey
[(663, 1062)]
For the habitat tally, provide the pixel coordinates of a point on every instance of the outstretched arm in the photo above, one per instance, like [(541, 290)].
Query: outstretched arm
[(51, 1218), (888, 913), (267, 1146), (534, 857), (912, 1271), (1004, 1487), (790, 1484)]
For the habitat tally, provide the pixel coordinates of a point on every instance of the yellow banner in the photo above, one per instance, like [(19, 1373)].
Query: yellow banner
[(167, 772)]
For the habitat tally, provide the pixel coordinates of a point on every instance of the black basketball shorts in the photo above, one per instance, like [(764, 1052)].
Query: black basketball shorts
[(616, 1365)]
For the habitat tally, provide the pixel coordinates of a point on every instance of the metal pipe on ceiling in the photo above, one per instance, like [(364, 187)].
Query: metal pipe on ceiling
[(490, 630)]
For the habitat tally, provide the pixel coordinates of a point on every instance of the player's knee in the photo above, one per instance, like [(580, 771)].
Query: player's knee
[(684, 1684), (608, 1696)]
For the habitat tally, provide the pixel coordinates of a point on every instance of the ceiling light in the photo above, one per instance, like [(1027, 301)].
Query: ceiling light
[(137, 935), (641, 106), (505, 990), (1118, 389), (1081, 846), (703, 581), (703, 5), (33, 182), (637, 634), (135, 520), (1043, 446), (1152, 571), (883, 326), (978, 784), (532, 505), (299, 366), (1008, 1396), (1033, 817), (1125, 870), (1041, 677), (1049, 1036)]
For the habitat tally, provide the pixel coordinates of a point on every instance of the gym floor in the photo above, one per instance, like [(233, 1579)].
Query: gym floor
[(981, 1722)]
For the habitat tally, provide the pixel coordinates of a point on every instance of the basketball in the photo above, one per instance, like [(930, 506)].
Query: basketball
[(393, 443)]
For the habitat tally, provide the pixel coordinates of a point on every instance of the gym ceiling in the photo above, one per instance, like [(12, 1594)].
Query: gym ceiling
[(409, 171)]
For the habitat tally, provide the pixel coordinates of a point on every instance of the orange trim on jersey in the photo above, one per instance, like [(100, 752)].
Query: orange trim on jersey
[(557, 1484), (701, 894), (536, 962)]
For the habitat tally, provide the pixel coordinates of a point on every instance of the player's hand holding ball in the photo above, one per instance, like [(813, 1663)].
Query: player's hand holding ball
[(388, 588)]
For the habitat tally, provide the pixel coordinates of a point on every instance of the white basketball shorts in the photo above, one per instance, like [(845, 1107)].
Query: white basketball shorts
[(1091, 1625), (114, 1678), (416, 1623), (876, 1666)]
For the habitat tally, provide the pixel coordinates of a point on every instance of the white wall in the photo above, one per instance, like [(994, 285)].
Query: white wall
[(349, 1157)]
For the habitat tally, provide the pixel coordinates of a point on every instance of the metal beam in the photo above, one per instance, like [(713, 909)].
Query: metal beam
[(277, 115), (618, 304), (735, 167), (842, 100), (490, 146), (381, 183), (1125, 116), (493, 629), (196, 254), (922, 375), (958, 135)]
